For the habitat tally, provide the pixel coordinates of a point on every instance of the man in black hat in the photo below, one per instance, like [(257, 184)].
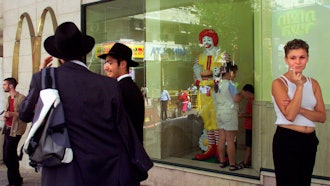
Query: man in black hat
[(94, 114), (117, 63)]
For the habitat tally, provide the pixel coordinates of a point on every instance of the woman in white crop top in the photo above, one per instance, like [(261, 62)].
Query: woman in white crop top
[(298, 104)]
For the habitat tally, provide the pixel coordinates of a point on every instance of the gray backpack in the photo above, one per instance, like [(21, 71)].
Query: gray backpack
[(48, 142)]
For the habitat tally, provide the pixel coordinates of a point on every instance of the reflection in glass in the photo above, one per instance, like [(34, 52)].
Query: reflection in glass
[(165, 41)]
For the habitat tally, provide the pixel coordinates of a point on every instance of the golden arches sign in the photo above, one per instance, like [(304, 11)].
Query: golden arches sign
[(35, 39)]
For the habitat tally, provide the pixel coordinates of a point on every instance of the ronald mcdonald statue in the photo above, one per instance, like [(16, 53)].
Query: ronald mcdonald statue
[(206, 70)]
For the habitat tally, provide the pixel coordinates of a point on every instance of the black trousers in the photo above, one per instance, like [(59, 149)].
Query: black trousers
[(294, 157), (10, 158), (163, 110)]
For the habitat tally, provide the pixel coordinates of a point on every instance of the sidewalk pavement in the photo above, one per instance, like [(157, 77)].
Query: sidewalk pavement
[(30, 177)]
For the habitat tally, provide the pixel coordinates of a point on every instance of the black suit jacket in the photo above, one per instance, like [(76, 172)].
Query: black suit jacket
[(134, 104), (96, 122)]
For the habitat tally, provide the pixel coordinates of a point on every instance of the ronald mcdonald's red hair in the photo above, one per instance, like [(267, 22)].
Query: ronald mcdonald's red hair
[(210, 33)]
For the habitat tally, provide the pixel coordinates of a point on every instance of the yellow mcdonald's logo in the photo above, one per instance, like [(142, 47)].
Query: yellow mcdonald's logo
[(35, 39)]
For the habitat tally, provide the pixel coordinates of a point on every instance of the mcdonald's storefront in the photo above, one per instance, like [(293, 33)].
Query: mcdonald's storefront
[(164, 37)]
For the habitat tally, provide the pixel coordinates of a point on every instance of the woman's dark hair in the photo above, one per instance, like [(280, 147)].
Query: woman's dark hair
[(295, 44), (248, 87)]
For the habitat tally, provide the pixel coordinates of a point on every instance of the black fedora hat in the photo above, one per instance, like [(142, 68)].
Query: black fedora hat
[(121, 51), (68, 42)]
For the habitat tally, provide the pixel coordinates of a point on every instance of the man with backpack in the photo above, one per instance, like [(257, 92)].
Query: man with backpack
[(95, 118)]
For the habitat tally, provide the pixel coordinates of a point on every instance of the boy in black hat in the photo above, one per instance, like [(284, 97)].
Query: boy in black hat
[(94, 115), (117, 63)]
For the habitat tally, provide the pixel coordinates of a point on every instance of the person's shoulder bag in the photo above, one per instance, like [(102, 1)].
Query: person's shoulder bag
[(48, 142)]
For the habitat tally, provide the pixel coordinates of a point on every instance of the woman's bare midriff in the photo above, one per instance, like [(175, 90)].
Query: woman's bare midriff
[(302, 129)]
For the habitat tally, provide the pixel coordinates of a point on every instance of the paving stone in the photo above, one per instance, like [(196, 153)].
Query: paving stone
[(30, 177)]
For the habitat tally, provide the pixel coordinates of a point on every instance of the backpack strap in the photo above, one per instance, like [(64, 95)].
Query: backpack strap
[(48, 78), (52, 75), (43, 78)]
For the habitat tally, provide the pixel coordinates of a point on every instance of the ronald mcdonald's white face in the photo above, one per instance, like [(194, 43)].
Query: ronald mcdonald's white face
[(207, 42)]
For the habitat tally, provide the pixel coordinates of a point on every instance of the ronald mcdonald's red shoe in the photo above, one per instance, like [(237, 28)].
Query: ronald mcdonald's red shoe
[(211, 152)]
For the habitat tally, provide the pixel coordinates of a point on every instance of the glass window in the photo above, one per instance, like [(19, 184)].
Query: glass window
[(276, 22), (172, 41), (306, 20)]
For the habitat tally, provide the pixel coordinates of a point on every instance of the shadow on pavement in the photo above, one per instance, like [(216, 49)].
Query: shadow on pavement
[(30, 177)]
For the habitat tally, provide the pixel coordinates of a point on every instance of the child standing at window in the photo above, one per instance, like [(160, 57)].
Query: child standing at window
[(226, 102), (248, 94)]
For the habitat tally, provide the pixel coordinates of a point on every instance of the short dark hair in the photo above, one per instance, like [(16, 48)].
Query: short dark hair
[(11, 81), (119, 59), (248, 87), (295, 44), (228, 67)]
